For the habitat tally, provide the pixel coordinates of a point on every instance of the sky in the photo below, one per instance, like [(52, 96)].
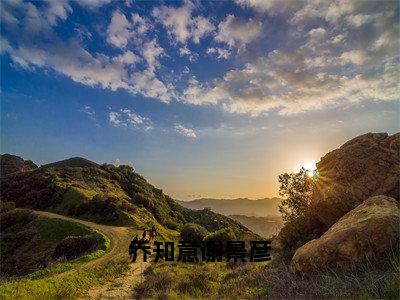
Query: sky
[(204, 99)]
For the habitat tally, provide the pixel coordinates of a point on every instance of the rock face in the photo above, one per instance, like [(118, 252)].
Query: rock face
[(365, 166), (369, 231), (10, 164)]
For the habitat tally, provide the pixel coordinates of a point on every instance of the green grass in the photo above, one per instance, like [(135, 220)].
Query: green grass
[(54, 230), (27, 245), (173, 280), (51, 283), (60, 286), (68, 265)]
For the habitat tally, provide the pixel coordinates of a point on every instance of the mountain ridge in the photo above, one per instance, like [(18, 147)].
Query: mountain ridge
[(106, 194), (264, 207)]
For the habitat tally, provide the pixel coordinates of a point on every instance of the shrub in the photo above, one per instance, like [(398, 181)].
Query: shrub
[(74, 246), (6, 206), (18, 217), (193, 232), (299, 231), (222, 235)]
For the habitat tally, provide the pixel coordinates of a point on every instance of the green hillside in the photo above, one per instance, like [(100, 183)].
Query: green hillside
[(105, 194), (29, 242)]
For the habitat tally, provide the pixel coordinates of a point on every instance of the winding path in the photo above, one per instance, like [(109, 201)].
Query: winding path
[(120, 237)]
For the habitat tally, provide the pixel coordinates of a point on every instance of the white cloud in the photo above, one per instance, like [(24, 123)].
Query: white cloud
[(151, 51), (92, 4), (200, 27), (57, 10), (179, 22), (184, 51), (187, 132), (271, 6), (141, 25), (114, 118), (118, 32), (127, 58), (219, 52), (128, 118), (357, 57), (238, 32)]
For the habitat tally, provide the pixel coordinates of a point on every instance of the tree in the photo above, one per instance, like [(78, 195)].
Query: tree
[(193, 232), (296, 188)]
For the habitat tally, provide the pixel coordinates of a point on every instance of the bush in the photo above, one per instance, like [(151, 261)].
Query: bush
[(222, 235), (6, 206), (18, 217), (297, 232), (74, 246), (193, 232)]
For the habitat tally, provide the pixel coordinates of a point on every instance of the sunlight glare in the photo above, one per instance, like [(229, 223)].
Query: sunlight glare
[(310, 166)]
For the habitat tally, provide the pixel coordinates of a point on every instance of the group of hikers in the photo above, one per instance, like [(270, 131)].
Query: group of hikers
[(152, 235)]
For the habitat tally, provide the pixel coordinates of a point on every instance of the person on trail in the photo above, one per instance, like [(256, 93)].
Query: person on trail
[(136, 238), (133, 244), (153, 233), (144, 235)]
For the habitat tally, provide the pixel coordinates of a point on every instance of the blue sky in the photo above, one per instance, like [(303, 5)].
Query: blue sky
[(203, 98)]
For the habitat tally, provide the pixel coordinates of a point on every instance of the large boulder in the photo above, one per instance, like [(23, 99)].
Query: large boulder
[(370, 231), (365, 166)]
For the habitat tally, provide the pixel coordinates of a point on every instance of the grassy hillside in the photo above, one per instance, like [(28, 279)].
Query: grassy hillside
[(107, 194), (29, 242), (166, 280)]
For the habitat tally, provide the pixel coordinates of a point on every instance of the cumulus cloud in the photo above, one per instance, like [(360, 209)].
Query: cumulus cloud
[(238, 32), (333, 65), (118, 32), (180, 24), (37, 46), (187, 132), (128, 118), (329, 53), (127, 58), (122, 30)]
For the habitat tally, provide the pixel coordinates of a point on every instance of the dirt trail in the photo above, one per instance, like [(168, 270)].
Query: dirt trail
[(120, 237)]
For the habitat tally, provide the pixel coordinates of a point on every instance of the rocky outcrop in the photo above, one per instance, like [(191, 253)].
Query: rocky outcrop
[(365, 166), (368, 232), (10, 164)]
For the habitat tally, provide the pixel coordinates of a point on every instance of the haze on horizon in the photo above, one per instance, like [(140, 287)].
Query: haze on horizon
[(205, 99)]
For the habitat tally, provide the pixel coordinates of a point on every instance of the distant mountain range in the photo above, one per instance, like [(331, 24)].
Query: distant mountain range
[(241, 206), (264, 226)]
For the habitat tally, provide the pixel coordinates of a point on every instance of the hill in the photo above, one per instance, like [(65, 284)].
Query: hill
[(241, 206), (264, 226), (106, 194), (30, 242), (72, 162), (13, 164)]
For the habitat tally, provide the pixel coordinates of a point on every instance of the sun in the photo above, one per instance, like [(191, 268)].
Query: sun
[(310, 166)]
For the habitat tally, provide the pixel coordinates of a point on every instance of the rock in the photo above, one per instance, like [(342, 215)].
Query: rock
[(368, 232), (365, 166)]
